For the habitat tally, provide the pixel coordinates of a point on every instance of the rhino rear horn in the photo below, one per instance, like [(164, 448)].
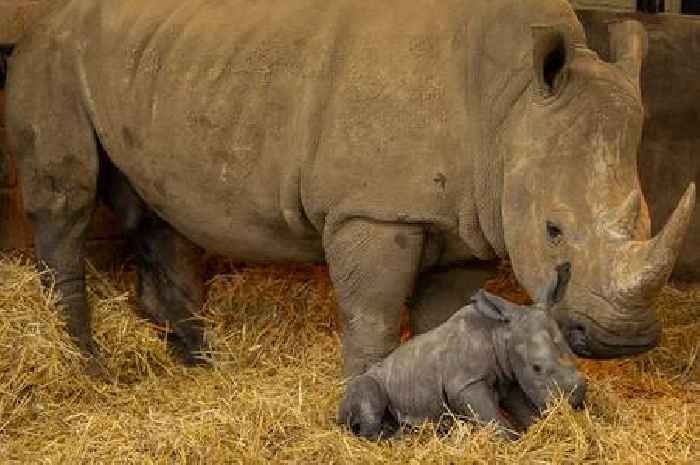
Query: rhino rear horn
[(629, 45), (550, 57)]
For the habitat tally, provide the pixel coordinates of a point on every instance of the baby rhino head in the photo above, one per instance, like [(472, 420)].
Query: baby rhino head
[(542, 361), (540, 358)]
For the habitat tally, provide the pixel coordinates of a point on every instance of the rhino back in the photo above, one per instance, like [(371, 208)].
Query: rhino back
[(224, 115)]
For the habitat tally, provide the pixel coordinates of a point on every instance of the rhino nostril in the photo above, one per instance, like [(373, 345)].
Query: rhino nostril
[(578, 341)]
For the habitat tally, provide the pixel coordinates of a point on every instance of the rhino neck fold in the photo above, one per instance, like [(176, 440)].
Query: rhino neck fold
[(498, 78)]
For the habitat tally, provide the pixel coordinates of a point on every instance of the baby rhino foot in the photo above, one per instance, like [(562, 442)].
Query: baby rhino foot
[(364, 410)]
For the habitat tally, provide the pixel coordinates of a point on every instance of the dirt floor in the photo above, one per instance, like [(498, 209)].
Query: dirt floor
[(272, 394)]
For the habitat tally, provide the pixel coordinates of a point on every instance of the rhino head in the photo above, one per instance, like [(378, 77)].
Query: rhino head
[(541, 359), (572, 192)]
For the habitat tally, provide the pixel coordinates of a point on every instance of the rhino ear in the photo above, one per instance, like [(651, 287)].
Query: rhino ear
[(554, 292), (491, 306), (629, 44), (551, 55)]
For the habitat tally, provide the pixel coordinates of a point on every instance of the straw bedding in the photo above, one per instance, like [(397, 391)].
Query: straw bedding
[(271, 394)]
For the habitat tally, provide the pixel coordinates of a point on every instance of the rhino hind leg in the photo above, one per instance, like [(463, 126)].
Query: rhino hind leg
[(56, 151), (170, 288), (364, 410), (440, 293)]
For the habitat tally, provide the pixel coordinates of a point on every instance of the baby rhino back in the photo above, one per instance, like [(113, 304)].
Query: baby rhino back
[(421, 379), (421, 375)]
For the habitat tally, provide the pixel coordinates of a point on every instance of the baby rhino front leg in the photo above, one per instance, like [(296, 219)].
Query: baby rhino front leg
[(478, 402), (364, 409)]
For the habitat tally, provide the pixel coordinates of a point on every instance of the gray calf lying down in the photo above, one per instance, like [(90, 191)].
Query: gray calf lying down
[(490, 355)]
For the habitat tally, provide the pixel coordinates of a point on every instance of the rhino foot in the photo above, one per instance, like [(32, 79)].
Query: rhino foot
[(364, 410), (188, 352)]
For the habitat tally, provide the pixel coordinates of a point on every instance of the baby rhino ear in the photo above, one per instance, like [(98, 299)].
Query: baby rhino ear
[(491, 306)]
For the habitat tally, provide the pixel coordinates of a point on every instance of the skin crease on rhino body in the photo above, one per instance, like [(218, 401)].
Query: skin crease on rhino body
[(397, 141), (489, 355)]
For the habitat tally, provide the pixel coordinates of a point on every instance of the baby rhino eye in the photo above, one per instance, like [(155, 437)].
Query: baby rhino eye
[(537, 368)]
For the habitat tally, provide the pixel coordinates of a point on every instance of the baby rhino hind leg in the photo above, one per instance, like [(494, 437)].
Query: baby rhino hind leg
[(364, 409)]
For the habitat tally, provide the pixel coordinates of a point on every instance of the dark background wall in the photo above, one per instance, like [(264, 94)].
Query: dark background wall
[(691, 7), (14, 233)]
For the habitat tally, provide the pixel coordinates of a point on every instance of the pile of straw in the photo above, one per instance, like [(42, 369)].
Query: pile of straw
[(272, 393)]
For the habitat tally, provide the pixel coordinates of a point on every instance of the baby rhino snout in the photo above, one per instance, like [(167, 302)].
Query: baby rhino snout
[(578, 395), (577, 391), (572, 381)]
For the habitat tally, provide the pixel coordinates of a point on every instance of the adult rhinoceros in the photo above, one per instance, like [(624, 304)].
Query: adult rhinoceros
[(390, 138)]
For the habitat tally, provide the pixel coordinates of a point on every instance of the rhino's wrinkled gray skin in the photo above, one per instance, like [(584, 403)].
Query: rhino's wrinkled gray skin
[(489, 355), (389, 138)]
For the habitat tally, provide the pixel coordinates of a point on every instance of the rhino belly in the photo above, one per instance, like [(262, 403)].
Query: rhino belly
[(221, 204)]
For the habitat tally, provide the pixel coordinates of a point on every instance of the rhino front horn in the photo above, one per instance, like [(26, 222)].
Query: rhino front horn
[(666, 246), (628, 47), (654, 259)]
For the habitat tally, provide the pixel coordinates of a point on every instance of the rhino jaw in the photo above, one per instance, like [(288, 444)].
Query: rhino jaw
[(586, 345), (605, 331)]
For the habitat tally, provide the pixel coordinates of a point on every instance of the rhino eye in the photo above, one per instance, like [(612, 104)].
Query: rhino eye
[(554, 233), (537, 368)]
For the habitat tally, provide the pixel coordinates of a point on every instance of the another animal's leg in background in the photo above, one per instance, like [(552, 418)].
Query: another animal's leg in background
[(520, 410), (373, 267), (440, 293), (364, 409), (478, 402), (170, 289), (170, 284), (54, 144)]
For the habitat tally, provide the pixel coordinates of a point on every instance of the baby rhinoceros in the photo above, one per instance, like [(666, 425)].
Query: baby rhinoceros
[(490, 355)]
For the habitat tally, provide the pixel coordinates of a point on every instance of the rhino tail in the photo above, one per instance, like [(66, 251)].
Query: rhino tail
[(5, 52)]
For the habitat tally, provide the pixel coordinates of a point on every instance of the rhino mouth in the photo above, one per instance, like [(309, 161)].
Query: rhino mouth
[(605, 330), (589, 339)]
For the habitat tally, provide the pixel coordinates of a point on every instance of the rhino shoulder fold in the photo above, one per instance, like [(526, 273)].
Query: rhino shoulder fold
[(291, 205)]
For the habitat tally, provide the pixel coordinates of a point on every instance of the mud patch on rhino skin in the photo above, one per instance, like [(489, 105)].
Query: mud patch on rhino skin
[(237, 164), (441, 180), (202, 121), (131, 139), (401, 240)]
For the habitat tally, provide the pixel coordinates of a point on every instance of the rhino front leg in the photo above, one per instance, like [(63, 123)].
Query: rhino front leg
[(477, 402), (373, 267), (522, 411), (170, 288), (440, 293)]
